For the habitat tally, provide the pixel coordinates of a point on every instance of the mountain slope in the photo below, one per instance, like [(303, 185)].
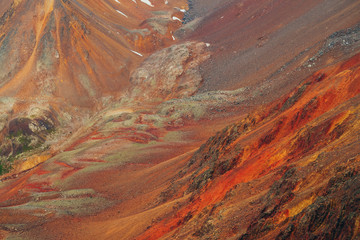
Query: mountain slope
[(77, 57), (289, 160), (244, 127), (77, 50)]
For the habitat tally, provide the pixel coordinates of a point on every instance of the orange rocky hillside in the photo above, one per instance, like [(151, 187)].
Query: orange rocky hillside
[(79, 51), (63, 60), (152, 119)]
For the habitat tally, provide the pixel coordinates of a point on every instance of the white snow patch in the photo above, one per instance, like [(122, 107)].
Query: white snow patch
[(176, 19), (137, 53), (207, 44), (182, 10), (173, 37), (134, 1), (166, 2), (122, 13), (117, 1), (147, 2)]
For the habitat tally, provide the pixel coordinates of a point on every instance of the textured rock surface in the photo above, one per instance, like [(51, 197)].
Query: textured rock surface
[(242, 124), (170, 73)]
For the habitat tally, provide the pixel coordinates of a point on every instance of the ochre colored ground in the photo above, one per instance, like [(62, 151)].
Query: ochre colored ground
[(266, 161)]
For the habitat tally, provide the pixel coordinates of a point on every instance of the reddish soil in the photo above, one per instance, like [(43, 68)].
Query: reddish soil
[(269, 161)]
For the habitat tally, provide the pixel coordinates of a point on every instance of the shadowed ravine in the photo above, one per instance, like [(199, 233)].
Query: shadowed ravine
[(119, 120)]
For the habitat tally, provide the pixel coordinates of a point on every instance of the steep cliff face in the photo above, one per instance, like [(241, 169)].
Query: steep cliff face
[(120, 121)]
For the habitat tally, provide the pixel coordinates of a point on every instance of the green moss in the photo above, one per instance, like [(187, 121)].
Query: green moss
[(5, 164), (2, 169), (25, 143)]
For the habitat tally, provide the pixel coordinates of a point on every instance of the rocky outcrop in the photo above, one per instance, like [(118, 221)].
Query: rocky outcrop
[(24, 135), (170, 73), (333, 215)]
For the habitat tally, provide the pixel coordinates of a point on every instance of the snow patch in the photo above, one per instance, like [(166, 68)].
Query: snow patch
[(173, 38), (122, 13), (117, 1), (176, 19), (137, 53), (147, 2), (207, 44)]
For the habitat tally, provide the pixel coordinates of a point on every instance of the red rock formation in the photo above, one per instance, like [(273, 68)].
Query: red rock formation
[(109, 144)]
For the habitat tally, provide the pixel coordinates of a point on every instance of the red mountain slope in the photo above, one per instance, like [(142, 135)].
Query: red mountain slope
[(115, 145)]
